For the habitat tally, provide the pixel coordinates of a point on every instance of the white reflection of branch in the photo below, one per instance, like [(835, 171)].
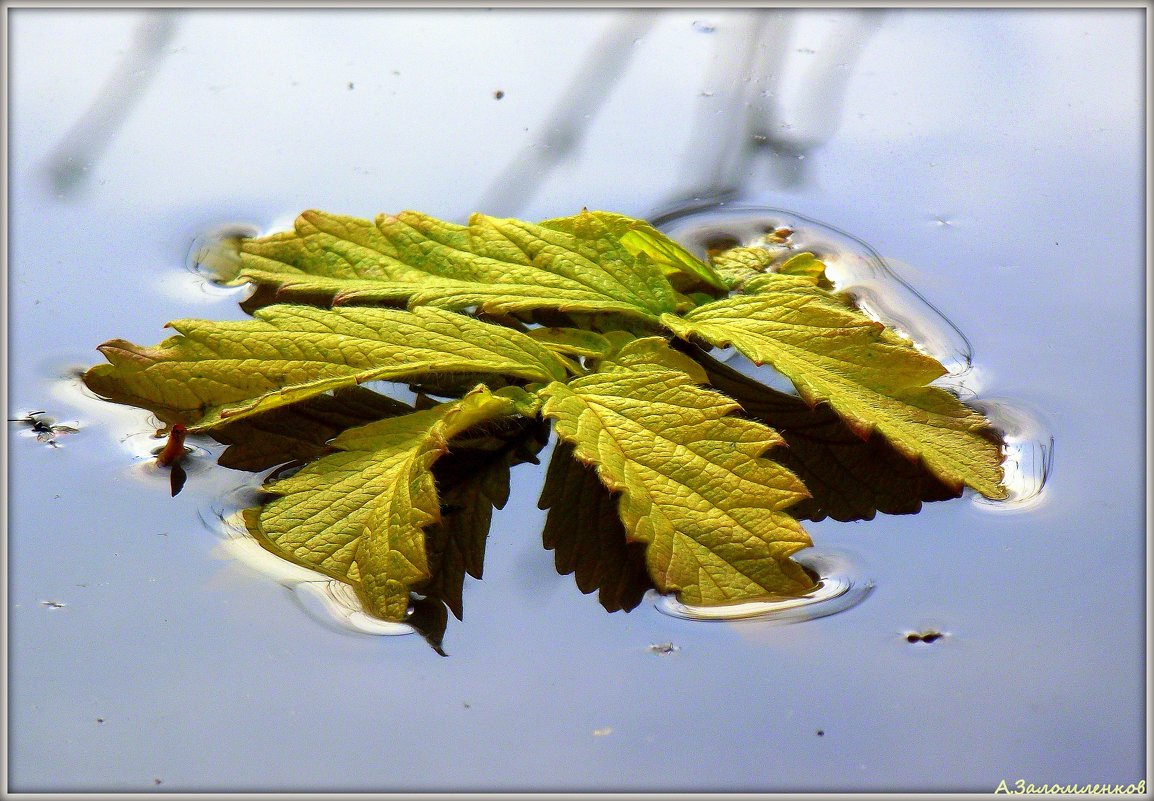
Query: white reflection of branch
[(566, 124), (768, 105), (817, 95), (718, 151), (90, 135)]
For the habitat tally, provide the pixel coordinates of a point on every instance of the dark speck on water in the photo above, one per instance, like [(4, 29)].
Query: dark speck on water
[(923, 636), (499, 94)]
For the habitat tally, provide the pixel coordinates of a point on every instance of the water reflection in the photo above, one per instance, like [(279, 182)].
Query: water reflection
[(587, 537), (763, 99), (71, 161), (565, 126)]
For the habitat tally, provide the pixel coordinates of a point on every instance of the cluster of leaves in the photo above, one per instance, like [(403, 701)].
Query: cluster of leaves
[(672, 471)]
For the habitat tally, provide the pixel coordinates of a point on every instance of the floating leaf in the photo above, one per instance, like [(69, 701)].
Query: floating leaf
[(498, 265), (213, 372), (738, 265), (872, 378), (693, 486), (631, 354), (656, 482), (359, 514), (572, 341), (639, 237)]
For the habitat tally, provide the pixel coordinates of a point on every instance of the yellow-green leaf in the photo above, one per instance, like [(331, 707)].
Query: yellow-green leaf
[(874, 379), (639, 237), (849, 478), (499, 265), (803, 264), (571, 341), (651, 352), (359, 514), (692, 482), (213, 371), (740, 264)]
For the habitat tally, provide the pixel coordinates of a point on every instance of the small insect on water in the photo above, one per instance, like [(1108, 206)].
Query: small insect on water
[(45, 428), (171, 455)]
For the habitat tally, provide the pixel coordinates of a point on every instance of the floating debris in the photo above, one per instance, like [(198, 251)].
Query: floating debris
[(663, 648), (603, 732), (928, 636), (44, 428), (53, 604)]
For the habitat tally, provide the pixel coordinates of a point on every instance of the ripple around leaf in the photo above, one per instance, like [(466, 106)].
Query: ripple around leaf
[(841, 585), (1029, 454), (851, 263)]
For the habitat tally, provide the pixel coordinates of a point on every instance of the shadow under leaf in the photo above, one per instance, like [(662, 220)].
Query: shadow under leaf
[(299, 433), (849, 478), (472, 480), (587, 537)]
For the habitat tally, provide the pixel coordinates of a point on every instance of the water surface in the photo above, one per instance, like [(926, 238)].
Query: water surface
[(993, 157)]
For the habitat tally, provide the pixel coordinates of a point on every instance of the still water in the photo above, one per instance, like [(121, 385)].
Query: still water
[(991, 159)]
